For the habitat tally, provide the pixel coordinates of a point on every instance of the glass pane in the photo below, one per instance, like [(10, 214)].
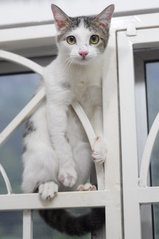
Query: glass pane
[(152, 81), (11, 225), (15, 91)]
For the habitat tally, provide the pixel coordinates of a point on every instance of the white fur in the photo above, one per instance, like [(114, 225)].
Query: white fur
[(48, 190), (58, 150)]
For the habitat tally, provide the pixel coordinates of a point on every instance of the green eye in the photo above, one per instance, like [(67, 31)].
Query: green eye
[(71, 40), (94, 39)]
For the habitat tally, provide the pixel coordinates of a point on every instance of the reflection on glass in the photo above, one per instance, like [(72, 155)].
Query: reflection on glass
[(152, 81), (15, 91)]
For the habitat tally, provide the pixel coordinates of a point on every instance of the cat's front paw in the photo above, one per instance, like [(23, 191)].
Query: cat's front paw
[(48, 190), (86, 187), (67, 176), (99, 150)]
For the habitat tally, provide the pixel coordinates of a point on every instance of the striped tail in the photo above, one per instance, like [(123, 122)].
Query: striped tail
[(72, 224)]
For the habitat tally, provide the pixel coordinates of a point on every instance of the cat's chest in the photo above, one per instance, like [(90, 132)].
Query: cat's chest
[(87, 91), (82, 83)]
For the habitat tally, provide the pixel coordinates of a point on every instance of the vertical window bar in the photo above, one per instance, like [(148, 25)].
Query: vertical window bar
[(27, 224)]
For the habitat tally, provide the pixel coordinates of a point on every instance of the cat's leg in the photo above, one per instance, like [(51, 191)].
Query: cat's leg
[(40, 162), (99, 151), (83, 161), (40, 166), (57, 124)]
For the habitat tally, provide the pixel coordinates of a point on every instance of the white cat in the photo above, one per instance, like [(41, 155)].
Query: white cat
[(57, 155)]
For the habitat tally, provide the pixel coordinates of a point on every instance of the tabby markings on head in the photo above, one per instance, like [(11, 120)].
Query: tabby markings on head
[(99, 24)]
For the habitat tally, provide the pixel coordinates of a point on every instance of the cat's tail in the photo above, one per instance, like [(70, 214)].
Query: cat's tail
[(72, 224)]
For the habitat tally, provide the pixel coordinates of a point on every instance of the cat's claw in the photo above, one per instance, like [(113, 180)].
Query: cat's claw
[(48, 190), (67, 177), (99, 151), (86, 187)]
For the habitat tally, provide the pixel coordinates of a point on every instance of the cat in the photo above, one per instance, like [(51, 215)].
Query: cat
[(57, 155)]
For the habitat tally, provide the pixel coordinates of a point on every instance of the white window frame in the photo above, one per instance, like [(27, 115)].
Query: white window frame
[(135, 191)]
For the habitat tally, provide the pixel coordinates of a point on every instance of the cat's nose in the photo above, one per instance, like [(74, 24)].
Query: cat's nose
[(83, 53)]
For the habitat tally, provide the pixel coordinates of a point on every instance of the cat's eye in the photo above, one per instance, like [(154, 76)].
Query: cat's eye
[(94, 39), (71, 40)]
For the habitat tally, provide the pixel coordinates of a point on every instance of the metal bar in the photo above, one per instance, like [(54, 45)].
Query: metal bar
[(27, 224), (146, 158), (148, 195), (131, 210), (21, 61), (91, 137), (78, 199), (6, 179)]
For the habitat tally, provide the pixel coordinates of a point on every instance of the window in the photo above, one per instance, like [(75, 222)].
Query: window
[(148, 78), (129, 108), (138, 60), (152, 76)]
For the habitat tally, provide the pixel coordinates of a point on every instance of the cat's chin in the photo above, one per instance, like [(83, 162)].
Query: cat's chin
[(83, 62)]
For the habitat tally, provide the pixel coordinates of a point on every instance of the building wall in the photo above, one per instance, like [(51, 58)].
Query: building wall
[(14, 12)]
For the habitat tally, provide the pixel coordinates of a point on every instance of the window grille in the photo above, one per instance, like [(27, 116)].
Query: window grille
[(136, 191), (105, 197)]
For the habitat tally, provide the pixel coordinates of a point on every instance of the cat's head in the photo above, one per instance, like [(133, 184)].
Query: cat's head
[(82, 39)]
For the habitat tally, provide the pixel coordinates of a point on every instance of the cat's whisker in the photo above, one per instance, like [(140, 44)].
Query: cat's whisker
[(68, 63)]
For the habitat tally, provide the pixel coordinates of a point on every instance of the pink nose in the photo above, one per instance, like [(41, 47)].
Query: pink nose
[(83, 53)]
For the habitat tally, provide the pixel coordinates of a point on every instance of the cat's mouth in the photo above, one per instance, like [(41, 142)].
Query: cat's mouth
[(82, 59)]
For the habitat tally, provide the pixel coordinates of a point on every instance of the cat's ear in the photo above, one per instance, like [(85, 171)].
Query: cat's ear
[(104, 18), (62, 21)]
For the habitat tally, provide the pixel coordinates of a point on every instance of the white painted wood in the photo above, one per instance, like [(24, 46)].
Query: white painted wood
[(27, 224)]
